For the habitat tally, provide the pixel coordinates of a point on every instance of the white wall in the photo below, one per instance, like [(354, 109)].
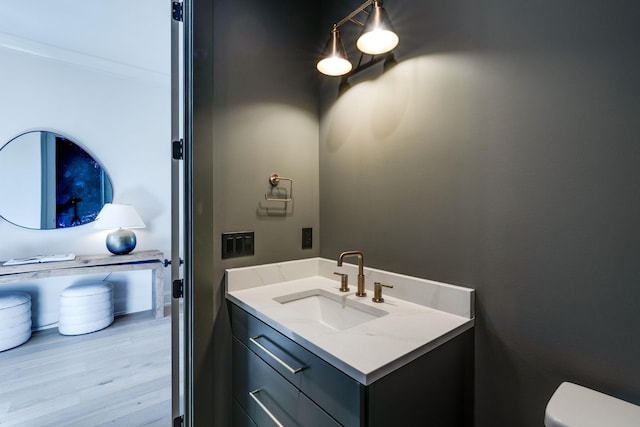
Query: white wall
[(99, 74)]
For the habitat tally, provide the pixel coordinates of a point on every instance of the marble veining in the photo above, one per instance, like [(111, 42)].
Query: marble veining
[(422, 313)]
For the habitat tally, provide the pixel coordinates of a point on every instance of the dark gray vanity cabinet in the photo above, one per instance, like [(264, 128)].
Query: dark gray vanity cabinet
[(274, 378), (273, 373)]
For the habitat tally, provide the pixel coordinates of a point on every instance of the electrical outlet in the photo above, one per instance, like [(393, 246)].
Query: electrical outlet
[(307, 238), (237, 244)]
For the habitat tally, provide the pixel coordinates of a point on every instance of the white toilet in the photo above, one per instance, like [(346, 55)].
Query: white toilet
[(575, 406)]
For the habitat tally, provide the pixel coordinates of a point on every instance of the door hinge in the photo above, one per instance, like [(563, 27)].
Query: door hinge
[(178, 288), (176, 11), (178, 149), (178, 421), (167, 262)]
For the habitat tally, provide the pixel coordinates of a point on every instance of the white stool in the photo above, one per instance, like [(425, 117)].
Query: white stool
[(15, 319), (85, 307)]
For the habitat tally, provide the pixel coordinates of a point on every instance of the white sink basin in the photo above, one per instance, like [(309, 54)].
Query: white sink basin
[(331, 310)]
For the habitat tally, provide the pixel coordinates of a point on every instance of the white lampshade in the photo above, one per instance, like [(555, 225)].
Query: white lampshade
[(118, 216)]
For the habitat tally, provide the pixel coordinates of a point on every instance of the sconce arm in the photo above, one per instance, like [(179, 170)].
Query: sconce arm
[(350, 16)]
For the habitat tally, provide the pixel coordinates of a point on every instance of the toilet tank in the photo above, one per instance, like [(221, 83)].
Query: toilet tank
[(575, 406)]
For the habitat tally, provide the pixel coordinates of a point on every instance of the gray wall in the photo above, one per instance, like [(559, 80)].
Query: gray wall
[(498, 154), (201, 285), (501, 153), (255, 113)]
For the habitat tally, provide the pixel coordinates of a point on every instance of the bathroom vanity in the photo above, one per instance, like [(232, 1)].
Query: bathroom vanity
[(307, 354)]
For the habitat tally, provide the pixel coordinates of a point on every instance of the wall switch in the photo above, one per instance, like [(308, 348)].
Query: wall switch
[(307, 238), (237, 244)]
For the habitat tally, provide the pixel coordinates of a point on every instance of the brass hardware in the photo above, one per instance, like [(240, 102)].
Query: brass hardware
[(335, 61), (274, 180), (344, 281), (377, 291), (361, 292)]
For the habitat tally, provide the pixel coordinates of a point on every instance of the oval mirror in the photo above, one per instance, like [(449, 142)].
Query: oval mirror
[(49, 182)]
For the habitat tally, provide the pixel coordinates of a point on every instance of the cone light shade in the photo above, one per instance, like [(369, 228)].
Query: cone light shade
[(119, 218), (378, 35), (334, 60)]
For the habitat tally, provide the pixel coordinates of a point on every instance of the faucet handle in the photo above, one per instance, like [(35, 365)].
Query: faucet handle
[(377, 291), (344, 281)]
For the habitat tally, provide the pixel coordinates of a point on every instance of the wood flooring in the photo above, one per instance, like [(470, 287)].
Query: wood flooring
[(119, 376)]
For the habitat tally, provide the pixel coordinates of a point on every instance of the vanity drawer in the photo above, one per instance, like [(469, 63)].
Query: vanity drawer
[(268, 398), (334, 391)]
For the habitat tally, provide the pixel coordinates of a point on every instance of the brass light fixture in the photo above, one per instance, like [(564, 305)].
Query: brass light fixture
[(378, 37), (334, 62)]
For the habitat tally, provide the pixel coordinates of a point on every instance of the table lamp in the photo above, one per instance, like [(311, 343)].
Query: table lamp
[(121, 218)]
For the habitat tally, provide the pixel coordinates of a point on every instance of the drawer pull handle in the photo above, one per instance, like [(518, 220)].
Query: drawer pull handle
[(264, 408), (276, 358)]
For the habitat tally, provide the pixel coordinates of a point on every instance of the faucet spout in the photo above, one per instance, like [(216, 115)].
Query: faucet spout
[(361, 292)]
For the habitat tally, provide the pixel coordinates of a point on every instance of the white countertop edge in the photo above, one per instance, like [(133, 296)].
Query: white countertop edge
[(411, 356), (361, 377)]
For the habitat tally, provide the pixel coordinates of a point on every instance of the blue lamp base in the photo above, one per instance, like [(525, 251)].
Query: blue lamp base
[(121, 241)]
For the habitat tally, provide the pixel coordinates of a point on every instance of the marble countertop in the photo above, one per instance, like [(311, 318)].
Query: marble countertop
[(422, 314)]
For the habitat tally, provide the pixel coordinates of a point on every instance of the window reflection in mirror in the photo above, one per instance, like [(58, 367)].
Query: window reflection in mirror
[(47, 181)]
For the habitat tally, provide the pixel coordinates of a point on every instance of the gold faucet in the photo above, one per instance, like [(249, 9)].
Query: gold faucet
[(377, 291), (361, 292), (344, 281)]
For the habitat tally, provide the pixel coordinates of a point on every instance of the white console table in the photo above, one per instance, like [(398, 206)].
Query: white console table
[(88, 264)]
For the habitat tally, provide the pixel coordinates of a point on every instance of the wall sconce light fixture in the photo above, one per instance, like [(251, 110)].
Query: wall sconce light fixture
[(377, 37)]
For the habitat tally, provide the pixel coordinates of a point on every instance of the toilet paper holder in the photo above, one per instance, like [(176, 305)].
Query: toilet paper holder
[(274, 180)]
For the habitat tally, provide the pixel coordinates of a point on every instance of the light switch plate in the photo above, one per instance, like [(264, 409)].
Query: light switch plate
[(237, 244)]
